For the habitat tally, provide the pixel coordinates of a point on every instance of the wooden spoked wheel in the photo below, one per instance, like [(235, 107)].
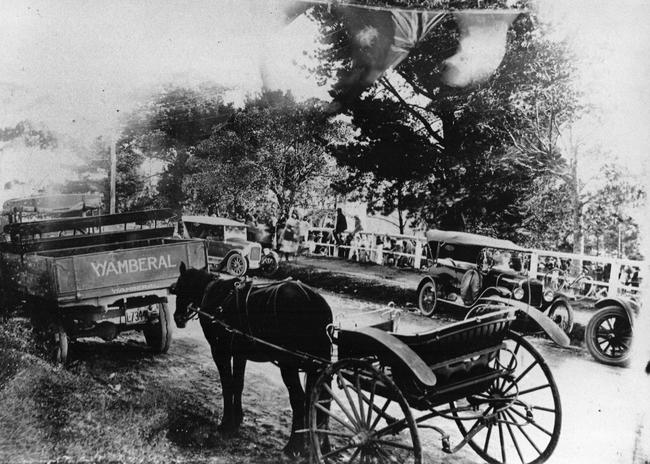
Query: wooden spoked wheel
[(561, 313), (427, 298), (519, 417), (358, 415), (609, 336)]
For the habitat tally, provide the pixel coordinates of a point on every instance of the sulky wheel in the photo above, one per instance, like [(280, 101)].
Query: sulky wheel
[(518, 417), (608, 336), (427, 298), (368, 419)]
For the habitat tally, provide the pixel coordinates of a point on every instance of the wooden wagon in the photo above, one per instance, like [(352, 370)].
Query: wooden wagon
[(95, 276)]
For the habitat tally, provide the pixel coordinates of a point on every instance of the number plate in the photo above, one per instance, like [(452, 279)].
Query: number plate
[(135, 316)]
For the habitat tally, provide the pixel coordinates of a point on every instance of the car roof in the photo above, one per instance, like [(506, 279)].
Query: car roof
[(213, 221), (465, 238)]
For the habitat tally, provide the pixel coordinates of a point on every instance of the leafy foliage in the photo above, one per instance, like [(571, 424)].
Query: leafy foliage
[(274, 144), (457, 158)]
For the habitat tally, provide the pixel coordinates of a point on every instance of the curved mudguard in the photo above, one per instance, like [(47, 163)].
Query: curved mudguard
[(631, 308), (423, 281), (367, 341), (552, 330)]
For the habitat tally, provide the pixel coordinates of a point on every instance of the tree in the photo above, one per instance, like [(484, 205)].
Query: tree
[(274, 145), (468, 132), (168, 126)]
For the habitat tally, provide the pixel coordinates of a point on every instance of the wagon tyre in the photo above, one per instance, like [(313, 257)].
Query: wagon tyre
[(428, 298), (159, 334), (518, 417), (58, 346), (359, 404), (608, 336), (236, 265)]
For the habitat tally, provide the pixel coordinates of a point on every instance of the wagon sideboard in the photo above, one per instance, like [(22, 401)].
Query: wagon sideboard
[(97, 277)]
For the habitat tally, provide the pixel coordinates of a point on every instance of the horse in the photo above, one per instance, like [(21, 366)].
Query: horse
[(287, 314)]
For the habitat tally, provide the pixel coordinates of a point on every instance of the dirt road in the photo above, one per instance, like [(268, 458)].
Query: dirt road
[(118, 402)]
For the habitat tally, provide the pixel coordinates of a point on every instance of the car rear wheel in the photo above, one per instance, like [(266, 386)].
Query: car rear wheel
[(159, 334), (561, 313), (236, 265), (427, 298)]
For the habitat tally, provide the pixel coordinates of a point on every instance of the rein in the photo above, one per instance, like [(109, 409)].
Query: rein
[(296, 354)]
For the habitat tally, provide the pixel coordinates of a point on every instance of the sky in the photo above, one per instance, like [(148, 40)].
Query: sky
[(76, 65)]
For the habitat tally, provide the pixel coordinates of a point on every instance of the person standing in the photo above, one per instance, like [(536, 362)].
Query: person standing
[(341, 226)]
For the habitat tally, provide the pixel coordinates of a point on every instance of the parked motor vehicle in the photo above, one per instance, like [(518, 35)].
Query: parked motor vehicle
[(228, 247), (94, 276), (608, 335), (467, 267)]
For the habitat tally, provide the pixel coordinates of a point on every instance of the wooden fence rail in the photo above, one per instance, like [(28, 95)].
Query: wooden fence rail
[(407, 251)]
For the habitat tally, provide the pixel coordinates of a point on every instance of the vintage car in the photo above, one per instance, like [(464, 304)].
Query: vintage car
[(467, 267), (228, 247)]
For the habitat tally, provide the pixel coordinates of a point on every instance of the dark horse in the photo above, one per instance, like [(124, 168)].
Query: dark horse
[(287, 314)]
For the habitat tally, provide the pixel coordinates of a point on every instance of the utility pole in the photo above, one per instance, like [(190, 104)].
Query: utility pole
[(112, 175)]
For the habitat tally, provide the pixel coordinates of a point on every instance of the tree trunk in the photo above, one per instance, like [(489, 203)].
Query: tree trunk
[(399, 212), (578, 218)]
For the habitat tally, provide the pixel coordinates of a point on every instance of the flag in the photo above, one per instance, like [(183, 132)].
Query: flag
[(481, 48), (382, 37)]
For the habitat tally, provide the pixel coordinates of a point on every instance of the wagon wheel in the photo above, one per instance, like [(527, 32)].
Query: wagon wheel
[(518, 417), (58, 345), (368, 419), (159, 334), (236, 265), (608, 336), (428, 298)]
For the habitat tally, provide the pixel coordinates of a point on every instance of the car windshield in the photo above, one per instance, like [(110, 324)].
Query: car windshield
[(198, 230), (506, 260), (236, 232), (467, 253)]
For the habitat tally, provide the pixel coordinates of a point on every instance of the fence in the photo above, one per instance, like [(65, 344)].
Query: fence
[(603, 276)]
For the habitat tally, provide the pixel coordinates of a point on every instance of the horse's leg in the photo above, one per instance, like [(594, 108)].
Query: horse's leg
[(324, 399), (238, 371), (291, 378), (223, 363)]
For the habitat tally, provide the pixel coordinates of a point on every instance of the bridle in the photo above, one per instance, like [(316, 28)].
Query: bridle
[(193, 312)]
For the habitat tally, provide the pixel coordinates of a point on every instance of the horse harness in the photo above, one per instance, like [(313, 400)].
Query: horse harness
[(236, 292)]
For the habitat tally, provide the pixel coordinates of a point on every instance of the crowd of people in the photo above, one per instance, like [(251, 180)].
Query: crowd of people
[(360, 246)]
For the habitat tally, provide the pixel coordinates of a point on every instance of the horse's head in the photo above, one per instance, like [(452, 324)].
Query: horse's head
[(189, 289)]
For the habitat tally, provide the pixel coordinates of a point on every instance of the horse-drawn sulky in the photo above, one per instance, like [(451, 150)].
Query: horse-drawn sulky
[(372, 392)]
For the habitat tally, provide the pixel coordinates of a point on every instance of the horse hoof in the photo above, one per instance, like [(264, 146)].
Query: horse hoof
[(294, 450), (227, 428)]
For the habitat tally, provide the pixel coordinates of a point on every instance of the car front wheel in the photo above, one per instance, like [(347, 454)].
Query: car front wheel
[(236, 265), (608, 336), (268, 265), (427, 298)]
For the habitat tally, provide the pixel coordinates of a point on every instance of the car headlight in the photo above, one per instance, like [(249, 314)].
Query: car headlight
[(548, 295), (518, 293)]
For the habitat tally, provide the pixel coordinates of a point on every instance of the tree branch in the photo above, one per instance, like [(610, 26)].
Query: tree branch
[(410, 109)]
